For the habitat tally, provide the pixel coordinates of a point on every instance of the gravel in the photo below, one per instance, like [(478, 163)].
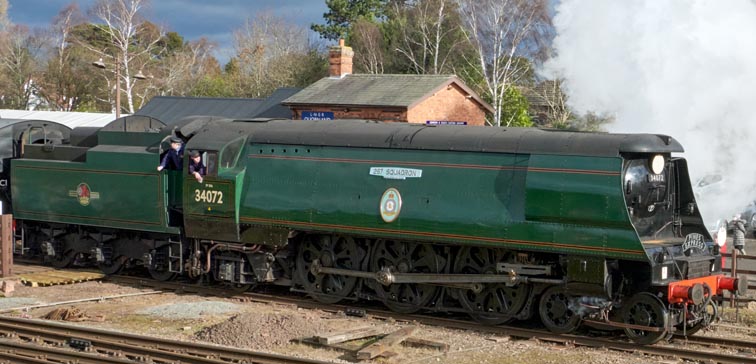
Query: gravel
[(12, 302), (262, 331), (191, 310)]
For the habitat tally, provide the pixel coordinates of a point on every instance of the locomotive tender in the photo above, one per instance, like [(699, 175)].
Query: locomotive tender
[(498, 223)]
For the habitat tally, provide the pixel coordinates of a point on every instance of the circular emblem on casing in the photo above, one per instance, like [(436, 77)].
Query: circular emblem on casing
[(391, 205), (83, 193)]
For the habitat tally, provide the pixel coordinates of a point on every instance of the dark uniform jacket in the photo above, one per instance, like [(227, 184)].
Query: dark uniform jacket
[(172, 159), (199, 167)]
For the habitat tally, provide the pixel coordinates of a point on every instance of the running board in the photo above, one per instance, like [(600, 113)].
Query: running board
[(388, 277)]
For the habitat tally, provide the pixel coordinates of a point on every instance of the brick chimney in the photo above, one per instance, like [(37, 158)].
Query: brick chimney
[(340, 60)]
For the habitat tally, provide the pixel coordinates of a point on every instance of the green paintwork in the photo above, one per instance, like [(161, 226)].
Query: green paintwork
[(128, 138), (462, 197), (126, 190), (211, 207)]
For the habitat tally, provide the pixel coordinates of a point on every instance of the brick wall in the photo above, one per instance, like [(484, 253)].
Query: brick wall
[(448, 104), (372, 113)]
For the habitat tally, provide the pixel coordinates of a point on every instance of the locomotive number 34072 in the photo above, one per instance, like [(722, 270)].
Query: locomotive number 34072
[(208, 196)]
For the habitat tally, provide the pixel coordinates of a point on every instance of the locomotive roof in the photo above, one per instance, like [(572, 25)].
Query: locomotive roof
[(372, 134)]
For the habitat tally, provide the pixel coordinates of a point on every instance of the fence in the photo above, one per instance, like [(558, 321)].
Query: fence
[(734, 271)]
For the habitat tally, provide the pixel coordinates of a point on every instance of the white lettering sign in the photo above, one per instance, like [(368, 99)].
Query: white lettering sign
[(396, 173)]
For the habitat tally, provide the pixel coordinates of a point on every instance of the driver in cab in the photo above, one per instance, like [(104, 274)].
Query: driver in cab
[(196, 168)]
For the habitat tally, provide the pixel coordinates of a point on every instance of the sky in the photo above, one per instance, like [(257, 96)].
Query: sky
[(684, 68), (192, 19)]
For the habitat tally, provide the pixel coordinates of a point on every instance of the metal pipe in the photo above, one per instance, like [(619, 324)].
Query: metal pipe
[(207, 266)]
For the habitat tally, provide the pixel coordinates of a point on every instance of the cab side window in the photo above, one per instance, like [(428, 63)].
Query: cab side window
[(230, 153), (211, 163)]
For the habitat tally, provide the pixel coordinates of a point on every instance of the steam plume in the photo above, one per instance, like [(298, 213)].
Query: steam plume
[(686, 68)]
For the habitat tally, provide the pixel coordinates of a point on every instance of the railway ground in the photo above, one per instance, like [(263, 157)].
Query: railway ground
[(277, 328)]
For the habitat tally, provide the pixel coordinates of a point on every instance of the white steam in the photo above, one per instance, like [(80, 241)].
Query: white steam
[(686, 68)]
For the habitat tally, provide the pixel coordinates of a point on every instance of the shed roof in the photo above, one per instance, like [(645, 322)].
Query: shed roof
[(67, 118), (170, 109), (377, 90)]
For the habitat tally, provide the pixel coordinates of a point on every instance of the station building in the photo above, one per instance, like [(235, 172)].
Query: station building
[(423, 99)]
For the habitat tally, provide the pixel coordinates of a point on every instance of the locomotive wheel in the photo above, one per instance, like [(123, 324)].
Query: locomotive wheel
[(114, 266), (64, 260), (555, 311), (711, 311), (645, 309), (496, 304), (160, 271), (330, 251), (403, 257)]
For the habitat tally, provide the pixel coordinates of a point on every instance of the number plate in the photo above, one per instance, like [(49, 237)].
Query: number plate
[(208, 196)]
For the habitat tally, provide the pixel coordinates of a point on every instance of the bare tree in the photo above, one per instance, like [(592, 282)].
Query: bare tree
[(132, 41), (18, 66), (430, 35), (503, 32), (553, 100), (267, 48), (62, 86), (367, 41), (181, 70)]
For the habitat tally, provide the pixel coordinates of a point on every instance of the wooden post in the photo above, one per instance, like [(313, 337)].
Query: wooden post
[(733, 272), (6, 245)]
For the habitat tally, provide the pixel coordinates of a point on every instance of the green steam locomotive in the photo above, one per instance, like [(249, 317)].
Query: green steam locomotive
[(497, 223)]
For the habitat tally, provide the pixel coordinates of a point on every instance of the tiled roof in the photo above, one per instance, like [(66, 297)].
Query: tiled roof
[(376, 90), (168, 109)]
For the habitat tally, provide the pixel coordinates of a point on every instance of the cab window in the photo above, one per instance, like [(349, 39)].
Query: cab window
[(230, 153), (210, 159)]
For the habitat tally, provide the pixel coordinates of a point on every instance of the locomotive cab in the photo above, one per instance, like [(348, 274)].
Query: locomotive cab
[(210, 206)]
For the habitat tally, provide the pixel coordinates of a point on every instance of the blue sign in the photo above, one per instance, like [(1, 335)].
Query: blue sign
[(445, 122), (317, 115)]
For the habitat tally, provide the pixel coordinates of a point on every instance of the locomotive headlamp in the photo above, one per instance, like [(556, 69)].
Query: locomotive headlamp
[(657, 164)]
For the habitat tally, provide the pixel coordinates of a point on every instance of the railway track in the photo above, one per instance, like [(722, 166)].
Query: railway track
[(52, 342), (708, 349)]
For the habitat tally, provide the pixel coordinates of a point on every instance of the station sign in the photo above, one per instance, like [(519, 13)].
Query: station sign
[(444, 122), (317, 115)]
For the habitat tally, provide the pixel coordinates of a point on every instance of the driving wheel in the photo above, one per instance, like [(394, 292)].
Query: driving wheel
[(403, 257), (494, 304), (333, 252)]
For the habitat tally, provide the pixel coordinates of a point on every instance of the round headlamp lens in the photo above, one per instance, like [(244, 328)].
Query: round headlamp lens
[(657, 164)]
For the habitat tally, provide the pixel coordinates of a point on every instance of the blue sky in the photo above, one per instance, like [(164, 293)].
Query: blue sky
[(213, 19)]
